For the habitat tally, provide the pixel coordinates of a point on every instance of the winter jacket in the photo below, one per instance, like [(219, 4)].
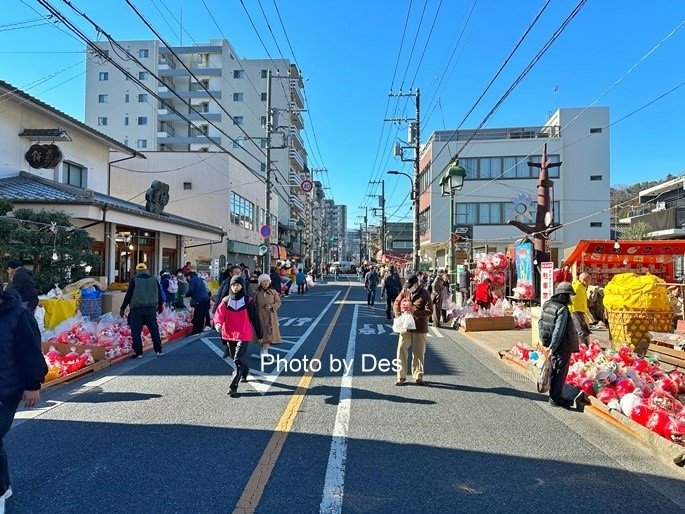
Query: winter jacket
[(300, 278), (22, 366), (238, 319), (197, 290), (275, 282), (268, 303), (423, 308), (23, 283), (556, 327), (371, 279), (482, 293), (392, 285), (438, 284), (143, 291)]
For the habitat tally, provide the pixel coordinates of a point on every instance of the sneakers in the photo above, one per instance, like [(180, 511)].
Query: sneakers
[(564, 403), (232, 392), (7, 494), (137, 356), (419, 382), (243, 380), (227, 352), (207, 329), (159, 354), (401, 382)]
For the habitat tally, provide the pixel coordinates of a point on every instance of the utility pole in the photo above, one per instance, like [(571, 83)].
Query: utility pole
[(267, 204), (381, 204), (415, 138), (361, 244)]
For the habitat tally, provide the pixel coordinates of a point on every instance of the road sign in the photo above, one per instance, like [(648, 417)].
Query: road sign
[(263, 249), (265, 231), (307, 186)]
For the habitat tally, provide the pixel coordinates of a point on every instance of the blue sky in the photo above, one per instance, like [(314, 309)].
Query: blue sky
[(349, 51)]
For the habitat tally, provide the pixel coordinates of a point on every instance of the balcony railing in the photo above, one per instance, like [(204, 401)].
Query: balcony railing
[(296, 159), (667, 219)]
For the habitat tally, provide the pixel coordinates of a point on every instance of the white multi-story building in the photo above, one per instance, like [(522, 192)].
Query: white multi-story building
[(336, 222), (500, 185), (223, 89)]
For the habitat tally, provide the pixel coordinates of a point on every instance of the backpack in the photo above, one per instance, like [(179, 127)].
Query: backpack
[(173, 285)]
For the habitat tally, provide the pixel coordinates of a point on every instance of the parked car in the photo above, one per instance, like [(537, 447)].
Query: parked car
[(345, 267)]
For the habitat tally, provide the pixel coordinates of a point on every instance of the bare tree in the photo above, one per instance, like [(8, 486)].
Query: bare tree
[(636, 231)]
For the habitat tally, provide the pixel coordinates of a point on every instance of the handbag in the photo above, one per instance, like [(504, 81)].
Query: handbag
[(545, 378)]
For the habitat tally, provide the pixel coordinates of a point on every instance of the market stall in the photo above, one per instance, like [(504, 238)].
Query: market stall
[(604, 259)]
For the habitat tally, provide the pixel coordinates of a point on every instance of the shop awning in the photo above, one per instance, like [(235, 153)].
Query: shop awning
[(647, 252), (392, 259)]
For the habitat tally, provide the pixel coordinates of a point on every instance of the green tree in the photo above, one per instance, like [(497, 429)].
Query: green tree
[(636, 231), (34, 237)]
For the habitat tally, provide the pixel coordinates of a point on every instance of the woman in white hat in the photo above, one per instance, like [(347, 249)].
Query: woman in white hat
[(268, 303)]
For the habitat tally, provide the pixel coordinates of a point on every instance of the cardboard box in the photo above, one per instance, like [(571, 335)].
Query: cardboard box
[(98, 354), (111, 301), (494, 323)]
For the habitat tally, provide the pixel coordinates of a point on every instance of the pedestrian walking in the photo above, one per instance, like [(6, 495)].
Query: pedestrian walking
[(301, 281), (268, 303), (237, 320), (199, 301), (22, 370), (580, 311), (371, 283), (336, 272), (558, 335), (391, 288), (145, 298), (21, 280), (416, 300), (436, 297)]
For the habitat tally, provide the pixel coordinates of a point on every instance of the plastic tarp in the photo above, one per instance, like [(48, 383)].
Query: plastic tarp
[(632, 292), (57, 311)]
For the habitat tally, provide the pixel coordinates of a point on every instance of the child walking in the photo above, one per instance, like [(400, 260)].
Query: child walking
[(237, 321)]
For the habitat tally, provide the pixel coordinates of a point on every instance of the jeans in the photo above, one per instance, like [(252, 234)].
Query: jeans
[(238, 351), (200, 315), (8, 409), (300, 288), (147, 316), (371, 297)]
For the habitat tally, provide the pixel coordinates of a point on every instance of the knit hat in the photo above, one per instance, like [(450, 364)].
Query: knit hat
[(14, 264), (263, 278), (141, 267), (564, 288)]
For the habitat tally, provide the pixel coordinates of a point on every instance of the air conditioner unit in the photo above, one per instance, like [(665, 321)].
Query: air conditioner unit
[(660, 206)]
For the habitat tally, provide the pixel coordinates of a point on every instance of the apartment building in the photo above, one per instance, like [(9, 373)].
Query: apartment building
[(336, 223), (222, 102), (500, 186)]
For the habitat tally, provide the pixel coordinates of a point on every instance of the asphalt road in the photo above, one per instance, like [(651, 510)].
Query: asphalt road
[(160, 435)]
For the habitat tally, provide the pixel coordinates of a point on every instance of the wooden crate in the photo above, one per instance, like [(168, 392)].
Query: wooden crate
[(98, 354), (493, 323)]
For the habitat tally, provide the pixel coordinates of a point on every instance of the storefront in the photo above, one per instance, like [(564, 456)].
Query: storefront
[(604, 259)]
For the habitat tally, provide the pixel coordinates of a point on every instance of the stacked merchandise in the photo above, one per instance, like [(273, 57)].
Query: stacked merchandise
[(626, 383)]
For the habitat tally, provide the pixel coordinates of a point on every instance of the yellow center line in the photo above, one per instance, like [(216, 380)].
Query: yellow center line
[(254, 489)]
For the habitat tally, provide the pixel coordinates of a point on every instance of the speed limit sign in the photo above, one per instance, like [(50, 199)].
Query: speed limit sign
[(307, 186)]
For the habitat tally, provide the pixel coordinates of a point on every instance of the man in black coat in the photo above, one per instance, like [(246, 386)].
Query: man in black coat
[(22, 282), (558, 334), (22, 370)]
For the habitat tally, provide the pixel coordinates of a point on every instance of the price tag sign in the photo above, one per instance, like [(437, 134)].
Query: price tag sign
[(546, 281)]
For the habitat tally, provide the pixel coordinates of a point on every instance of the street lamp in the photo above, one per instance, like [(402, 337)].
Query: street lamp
[(452, 181)]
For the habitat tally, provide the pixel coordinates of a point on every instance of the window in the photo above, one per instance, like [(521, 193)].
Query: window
[(596, 130), (595, 224), (187, 185), (126, 98), (402, 245), (73, 175), (126, 121), (237, 120), (142, 75), (141, 143), (102, 121), (595, 177), (238, 143), (102, 76), (143, 52), (142, 120), (263, 96), (238, 74), (102, 99), (264, 73), (237, 97), (242, 212), (142, 97)]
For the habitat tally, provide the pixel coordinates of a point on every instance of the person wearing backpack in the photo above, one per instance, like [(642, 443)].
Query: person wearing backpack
[(559, 336), (169, 287), (391, 288)]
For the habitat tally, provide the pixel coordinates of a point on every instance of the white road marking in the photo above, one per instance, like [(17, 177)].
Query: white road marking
[(436, 333), (334, 486), (267, 379)]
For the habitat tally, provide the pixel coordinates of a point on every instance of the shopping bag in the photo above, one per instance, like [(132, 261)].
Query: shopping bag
[(545, 378), (403, 322)]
